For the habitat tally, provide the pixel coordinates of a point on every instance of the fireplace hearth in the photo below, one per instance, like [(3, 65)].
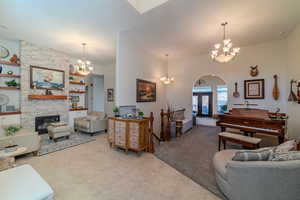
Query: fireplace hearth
[(42, 122)]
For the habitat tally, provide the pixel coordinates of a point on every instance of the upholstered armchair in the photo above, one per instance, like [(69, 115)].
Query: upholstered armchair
[(94, 122)]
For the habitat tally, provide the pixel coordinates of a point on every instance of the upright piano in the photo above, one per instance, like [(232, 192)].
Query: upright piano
[(251, 121)]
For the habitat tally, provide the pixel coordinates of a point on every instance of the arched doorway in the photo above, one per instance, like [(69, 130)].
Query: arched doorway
[(210, 98)]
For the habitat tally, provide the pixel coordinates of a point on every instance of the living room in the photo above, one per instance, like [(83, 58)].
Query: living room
[(97, 99)]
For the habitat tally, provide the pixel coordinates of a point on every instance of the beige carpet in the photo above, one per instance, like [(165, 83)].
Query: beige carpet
[(94, 171)]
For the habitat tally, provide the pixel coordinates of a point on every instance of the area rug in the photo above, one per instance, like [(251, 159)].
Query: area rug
[(49, 146), (192, 154)]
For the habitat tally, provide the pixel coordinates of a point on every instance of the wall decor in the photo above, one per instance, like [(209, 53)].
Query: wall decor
[(15, 59), (4, 53), (236, 94), (254, 89), (254, 71), (145, 91), (276, 92), (110, 95), (45, 78), (292, 96)]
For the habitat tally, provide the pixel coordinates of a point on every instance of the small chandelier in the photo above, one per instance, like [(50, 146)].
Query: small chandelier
[(84, 66), (166, 79), (224, 52)]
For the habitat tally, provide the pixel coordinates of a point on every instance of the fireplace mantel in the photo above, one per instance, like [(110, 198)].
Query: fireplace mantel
[(47, 97)]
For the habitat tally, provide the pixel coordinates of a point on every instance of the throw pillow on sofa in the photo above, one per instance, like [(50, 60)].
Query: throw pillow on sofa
[(286, 146), (285, 156), (256, 155)]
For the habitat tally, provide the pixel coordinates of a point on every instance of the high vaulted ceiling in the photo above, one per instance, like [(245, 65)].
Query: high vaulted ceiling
[(177, 26)]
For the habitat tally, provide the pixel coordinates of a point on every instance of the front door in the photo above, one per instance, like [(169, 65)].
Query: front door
[(204, 104)]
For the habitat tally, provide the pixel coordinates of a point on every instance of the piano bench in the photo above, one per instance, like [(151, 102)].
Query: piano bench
[(246, 141)]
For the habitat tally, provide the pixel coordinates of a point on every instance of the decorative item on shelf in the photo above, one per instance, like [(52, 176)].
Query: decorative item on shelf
[(223, 52), (254, 71), (292, 96), (10, 108), (81, 81), (71, 78), (166, 79), (74, 101), (141, 114), (236, 94), (72, 68), (116, 111), (110, 95), (14, 59), (83, 66), (10, 72), (48, 92), (1, 68), (12, 83), (4, 100), (4, 53), (254, 89), (276, 92), (34, 88), (145, 91)]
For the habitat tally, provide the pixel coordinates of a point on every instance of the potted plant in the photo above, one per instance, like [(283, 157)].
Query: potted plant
[(11, 130), (116, 111), (12, 83), (141, 114)]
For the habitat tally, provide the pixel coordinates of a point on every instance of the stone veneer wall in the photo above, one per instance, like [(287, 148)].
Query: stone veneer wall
[(31, 54)]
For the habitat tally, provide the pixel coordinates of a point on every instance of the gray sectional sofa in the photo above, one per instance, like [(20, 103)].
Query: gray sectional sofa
[(257, 180)]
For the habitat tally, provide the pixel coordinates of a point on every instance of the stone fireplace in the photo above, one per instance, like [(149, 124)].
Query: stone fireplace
[(35, 109), (42, 122)]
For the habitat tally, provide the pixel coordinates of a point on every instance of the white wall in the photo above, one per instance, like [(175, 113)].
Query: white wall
[(98, 93), (270, 58), (293, 42), (108, 71), (135, 63)]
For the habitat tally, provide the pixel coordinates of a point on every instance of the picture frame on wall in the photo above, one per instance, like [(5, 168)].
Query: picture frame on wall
[(46, 78), (254, 89), (110, 95), (145, 91)]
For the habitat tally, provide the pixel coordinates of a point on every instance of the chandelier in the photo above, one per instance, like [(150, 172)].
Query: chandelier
[(84, 66), (224, 52), (166, 79)]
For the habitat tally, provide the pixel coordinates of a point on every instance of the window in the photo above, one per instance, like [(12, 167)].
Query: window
[(222, 98), (202, 89)]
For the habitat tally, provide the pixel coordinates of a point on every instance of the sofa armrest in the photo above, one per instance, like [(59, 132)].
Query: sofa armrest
[(98, 125), (264, 180)]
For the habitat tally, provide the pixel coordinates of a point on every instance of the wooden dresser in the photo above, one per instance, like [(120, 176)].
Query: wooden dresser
[(135, 135)]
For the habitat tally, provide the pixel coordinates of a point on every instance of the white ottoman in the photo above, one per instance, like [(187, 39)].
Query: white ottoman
[(55, 132), (24, 183)]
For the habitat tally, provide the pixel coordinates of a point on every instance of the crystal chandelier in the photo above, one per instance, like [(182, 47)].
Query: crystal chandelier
[(84, 66), (224, 52), (166, 79)]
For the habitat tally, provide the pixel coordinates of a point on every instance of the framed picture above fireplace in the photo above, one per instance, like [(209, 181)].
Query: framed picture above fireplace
[(46, 78)]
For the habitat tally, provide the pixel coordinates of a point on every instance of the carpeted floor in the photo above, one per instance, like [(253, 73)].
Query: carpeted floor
[(192, 154)]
